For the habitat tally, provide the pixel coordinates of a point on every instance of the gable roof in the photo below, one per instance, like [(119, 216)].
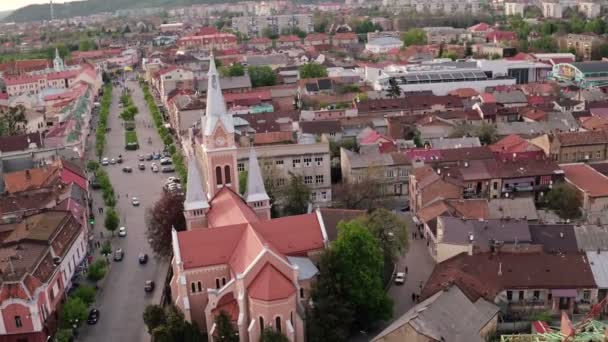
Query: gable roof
[(228, 208), (446, 315), (485, 275), (332, 217), (270, 284), (31, 178), (587, 179), (582, 138)]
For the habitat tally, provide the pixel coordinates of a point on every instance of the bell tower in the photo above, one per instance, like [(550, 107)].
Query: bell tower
[(219, 147)]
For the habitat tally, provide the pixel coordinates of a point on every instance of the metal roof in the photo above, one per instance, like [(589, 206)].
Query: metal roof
[(591, 66), (599, 267)]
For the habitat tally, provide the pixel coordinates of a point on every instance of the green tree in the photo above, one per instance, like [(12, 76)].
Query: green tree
[(414, 36), (296, 196), (73, 310), (532, 12), (271, 335), (86, 45), (360, 257), (486, 133), (127, 29), (261, 76), (449, 54), (393, 90), (547, 28), (332, 314), (312, 70), (97, 270), (106, 248), (86, 294), (166, 214), (545, 44), (12, 120), (64, 335), (576, 25), (243, 181), (225, 331), (565, 201), (236, 69), (389, 230), (92, 165), (112, 221), (154, 316)]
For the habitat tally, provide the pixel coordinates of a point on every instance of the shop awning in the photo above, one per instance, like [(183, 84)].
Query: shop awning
[(564, 293)]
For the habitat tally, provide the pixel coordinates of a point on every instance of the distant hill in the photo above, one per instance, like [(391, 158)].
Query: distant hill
[(4, 14), (82, 8)]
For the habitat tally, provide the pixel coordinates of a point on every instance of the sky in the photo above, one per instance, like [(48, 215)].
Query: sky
[(14, 4)]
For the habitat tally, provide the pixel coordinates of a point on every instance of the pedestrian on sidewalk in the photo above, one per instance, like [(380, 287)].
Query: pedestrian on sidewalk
[(413, 296), (418, 298), (405, 269)]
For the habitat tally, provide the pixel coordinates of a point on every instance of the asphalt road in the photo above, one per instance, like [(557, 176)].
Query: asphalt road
[(121, 299)]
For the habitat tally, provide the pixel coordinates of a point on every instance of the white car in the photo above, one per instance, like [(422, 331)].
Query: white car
[(135, 201), (172, 180), (154, 167), (105, 161), (122, 231), (400, 278)]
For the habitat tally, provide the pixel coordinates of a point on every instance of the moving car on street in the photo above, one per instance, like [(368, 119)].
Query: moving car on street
[(93, 316), (400, 278), (105, 161), (149, 287), (127, 169), (119, 254), (143, 258), (122, 231), (135, 201)]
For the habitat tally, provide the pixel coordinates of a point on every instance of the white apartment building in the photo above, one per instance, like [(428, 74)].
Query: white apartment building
[(552, 10), (514, 8), (311, 161), (590, 9), (254, 26), (436, 6)]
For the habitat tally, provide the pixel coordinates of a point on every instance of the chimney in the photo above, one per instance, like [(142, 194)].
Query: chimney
[(500, 269)]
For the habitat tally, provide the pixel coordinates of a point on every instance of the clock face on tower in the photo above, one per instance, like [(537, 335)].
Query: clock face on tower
[(220, 141)]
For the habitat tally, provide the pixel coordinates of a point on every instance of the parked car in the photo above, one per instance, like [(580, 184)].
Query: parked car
[(127, 169), (113, 161), (143, 258), (141, 157), (166, 161), (156, 155), (149, 157), (135, 201), (154, 167), (119, 254), (149, 287), (141, 166), (173, 180), (400, 278), (105, 161), (93, 316), (122, 231), (167, 169)]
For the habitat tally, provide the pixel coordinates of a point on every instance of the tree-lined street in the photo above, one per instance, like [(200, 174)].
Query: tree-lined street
[(121, 299)]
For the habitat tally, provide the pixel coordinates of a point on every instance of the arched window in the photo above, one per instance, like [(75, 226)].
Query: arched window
[(227, 174), (223, 281), (277, 323), (301, 293), (193, 288), (261, 324), (217, 283), (200, 286), (218, 175)]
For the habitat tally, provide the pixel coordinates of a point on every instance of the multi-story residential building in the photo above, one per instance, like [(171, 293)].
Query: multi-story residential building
[(390, 170), (276, 24), (514, 8), (552, 9), (173, 78), (592, 187), (583, 44), (311, 161), (41, 254), (571, 147), (436, 7), (288, 41), (447, 34), (590, 9)]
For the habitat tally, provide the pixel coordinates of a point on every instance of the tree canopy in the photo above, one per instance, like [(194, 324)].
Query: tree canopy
[(295, 196), (565, 201), (167, 213), (312, 70), (271, 335), (261, 76), (236, 69), (389, 230), (414, 36), (225, 331)]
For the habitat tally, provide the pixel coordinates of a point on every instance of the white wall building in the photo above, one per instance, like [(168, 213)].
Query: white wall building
[(383, 45), (552, 10), (514, 8), (590, 9)]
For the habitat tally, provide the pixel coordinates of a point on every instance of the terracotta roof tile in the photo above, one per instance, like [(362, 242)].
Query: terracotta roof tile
[(20, 142), (31, 178), (228, 208), (586, 178), (292, 235), (270, 284), (582, 138)]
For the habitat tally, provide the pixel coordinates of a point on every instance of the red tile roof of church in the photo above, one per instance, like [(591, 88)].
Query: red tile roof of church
[(270, 284)]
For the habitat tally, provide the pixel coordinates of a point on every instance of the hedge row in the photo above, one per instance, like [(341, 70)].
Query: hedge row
[(165, 135), (104, 112), (103, 180), (128, 117)]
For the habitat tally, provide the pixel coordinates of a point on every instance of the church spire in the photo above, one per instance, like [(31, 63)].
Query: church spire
[(216, 105), (256, 191), (58, 62)]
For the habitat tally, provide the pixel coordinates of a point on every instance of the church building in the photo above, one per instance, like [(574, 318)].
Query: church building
[(233, 257)]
